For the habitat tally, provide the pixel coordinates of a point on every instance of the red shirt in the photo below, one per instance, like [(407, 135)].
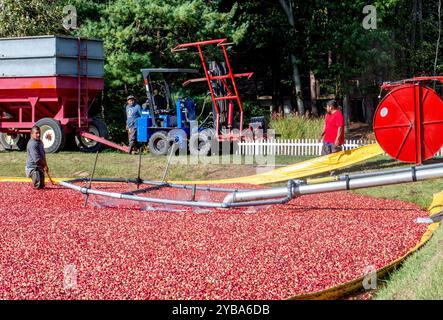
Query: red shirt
[(333, 122)]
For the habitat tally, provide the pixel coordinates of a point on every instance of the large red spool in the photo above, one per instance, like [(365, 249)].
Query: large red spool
[(408, 123)]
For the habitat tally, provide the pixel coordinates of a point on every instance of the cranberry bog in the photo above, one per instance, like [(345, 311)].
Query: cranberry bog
[(53, 247)]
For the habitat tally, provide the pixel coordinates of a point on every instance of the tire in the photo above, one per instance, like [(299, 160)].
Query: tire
[(15, 141), (202, 144), (98, 128), (179, 137), (159, 143), (52, 134)]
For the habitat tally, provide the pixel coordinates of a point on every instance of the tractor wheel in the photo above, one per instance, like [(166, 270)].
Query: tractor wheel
[(52, 134), (159, 143), (202, 144), (98, 128), (180, 139), (15, 141)]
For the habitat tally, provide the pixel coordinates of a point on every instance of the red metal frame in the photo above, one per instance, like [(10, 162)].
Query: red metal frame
[(104, 141), (393, 85), (232, 95)]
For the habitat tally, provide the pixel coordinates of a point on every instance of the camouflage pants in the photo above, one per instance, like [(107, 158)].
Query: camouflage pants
[(329, 148)]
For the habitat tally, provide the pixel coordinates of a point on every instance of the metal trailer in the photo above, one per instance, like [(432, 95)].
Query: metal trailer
[(51, 81)]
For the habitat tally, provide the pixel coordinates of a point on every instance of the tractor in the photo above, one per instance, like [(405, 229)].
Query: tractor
[(166, 123)]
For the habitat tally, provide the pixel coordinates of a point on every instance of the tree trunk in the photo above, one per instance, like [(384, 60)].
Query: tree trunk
[(313, 87), (368, 108), (346, 111), (437, 45), (297, 83), (413, 31), (276, 98), (287, 8)]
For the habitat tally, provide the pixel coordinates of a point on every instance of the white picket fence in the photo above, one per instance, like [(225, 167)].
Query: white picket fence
[(290, 147), (295, 147)]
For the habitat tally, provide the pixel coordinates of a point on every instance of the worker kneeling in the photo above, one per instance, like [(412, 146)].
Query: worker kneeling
[(36, 165)]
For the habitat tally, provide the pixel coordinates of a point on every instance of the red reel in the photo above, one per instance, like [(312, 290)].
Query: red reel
[(408, 123)]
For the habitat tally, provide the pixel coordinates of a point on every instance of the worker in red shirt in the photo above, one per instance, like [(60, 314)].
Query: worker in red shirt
[(333, 133)]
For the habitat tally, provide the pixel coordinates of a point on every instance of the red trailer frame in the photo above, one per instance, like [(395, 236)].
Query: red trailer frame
[(232, 94)]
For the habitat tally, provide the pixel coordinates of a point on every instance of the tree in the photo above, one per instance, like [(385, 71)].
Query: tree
[(288, 9), (263, 49), (19, 18), (339, 48)]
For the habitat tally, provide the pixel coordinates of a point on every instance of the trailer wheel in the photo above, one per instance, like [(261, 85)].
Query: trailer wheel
[(98, 128), (159, 143), (52, 134), (202, 144), (15, 141)]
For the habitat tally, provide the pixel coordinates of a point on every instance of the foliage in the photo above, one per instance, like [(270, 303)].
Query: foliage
[(21, 18), (297, 127)]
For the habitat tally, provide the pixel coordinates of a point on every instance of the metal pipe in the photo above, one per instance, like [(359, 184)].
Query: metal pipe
[(344, 177), (377, 173), (411, 175), (92, 176), (164, 184), (128, 196), (256, 203), (139, 167), (173, 148), (256, 195), (142, 199), (241, 198)]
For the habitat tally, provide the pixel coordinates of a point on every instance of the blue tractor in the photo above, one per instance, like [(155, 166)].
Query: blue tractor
[(164, 121)]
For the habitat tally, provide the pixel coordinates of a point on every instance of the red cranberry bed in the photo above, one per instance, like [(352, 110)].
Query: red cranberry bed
[(53, 247)]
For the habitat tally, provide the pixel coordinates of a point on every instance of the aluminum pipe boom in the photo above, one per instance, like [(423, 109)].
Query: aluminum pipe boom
[(142, 199), (343, 177), (295, 189)]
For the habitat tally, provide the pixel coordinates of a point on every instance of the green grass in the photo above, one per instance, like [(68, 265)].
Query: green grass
[(420, 277), (114, 164), (296, 127)]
